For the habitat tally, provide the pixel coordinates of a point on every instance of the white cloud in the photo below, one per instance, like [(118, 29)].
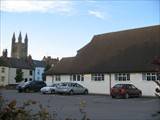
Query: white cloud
[(97, 14), (36, 6)]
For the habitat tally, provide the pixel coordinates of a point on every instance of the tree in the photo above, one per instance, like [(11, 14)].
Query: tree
[(19, 75), (47, 67)]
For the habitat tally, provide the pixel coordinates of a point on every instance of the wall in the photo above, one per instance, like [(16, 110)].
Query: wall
[(5, 75), (97, 87), (26, 74), (38, 76), (147, 87), (103, 87), (19, 50)]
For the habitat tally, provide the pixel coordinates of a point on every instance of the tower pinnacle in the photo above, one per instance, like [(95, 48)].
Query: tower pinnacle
[(13, 38), (20, 38), (26, 39)]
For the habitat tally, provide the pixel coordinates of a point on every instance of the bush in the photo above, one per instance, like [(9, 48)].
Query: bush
[(10, 111)]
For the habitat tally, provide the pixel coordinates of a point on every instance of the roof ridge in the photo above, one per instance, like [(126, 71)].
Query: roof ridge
[(127, 30)]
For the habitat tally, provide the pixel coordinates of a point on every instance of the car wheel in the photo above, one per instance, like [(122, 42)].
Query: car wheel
[(86, 92), (71, 92), (126, 96), (52, 91), (140, 94), (113, 96), (19, 91)]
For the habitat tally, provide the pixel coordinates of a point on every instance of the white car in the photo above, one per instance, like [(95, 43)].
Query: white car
[(49, 89), (71, 88)]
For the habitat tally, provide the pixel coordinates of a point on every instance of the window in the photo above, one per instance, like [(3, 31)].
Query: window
[(38, 71), (58, 78), (3, 70), (2, 78), (97, 77), (25, 80), (151, 76), (77, 77), (122, 76), (30, 72)]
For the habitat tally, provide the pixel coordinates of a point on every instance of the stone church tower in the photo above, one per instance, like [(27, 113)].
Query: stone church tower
[(19, 49)]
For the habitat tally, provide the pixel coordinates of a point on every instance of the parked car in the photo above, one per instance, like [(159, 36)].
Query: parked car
[(49, 89), (71, 88), (31, 86), (23, 83), (125, 91)]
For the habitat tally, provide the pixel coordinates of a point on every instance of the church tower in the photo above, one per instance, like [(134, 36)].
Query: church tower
[(19, 49)]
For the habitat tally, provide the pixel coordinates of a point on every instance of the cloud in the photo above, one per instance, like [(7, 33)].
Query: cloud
[(97, 14), (36, 6)]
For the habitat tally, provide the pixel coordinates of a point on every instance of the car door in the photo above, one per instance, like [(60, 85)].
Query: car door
[(38, 85), (74, 87), (135, 91), (79, 88), (130, 89)]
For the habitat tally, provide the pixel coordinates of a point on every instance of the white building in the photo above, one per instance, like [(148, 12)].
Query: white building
[(39, 67), (112, 58), (9, 68)]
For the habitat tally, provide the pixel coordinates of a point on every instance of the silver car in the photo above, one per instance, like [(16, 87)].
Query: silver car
[(49, 89), (71, 88)]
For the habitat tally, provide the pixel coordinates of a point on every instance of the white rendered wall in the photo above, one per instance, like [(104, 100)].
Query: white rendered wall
[(26, 74), (97, 87), (103, 87), (5, 75), (147, 87)]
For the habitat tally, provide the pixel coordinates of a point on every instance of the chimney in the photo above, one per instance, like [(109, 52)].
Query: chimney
[(5, 53)]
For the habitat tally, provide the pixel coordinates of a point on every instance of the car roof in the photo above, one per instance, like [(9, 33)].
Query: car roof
[(124, 84)]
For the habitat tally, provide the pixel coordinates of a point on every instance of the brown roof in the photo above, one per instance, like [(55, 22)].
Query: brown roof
[(63, 66), (123, 51)]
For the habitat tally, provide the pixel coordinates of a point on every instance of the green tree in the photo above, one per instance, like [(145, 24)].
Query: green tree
[(19, 75), (47, 67)]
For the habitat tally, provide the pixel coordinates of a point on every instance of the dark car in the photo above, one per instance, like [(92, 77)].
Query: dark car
[(125, 91), (34, 86)]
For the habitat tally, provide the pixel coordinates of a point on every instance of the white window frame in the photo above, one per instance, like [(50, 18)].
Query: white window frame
[(3, 70), (77, 77), (57, 78), (122, 77), (151, 76), (97, 77)]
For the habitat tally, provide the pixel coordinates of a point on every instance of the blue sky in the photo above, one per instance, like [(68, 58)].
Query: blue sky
[(59, 28)]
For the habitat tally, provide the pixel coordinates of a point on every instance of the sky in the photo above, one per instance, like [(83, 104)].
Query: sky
[(59, 28)]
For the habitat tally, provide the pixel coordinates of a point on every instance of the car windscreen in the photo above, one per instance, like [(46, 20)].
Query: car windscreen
[(63, 84), (118, 86)]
